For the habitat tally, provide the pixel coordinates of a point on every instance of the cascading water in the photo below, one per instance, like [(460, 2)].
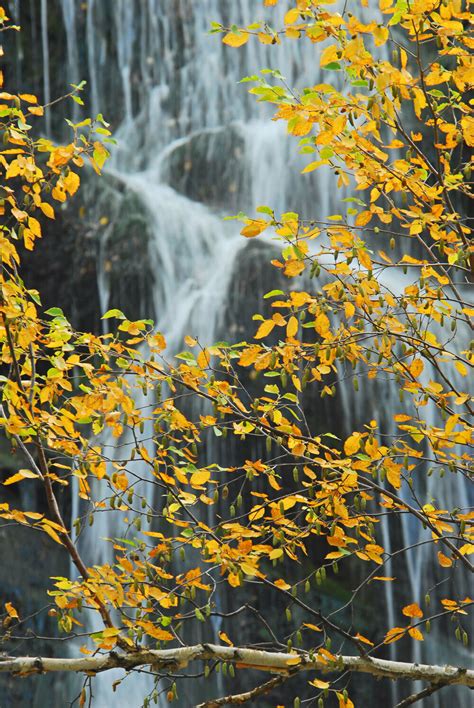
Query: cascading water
[(193, 146)]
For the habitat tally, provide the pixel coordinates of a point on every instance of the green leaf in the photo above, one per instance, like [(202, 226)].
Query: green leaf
[(114, 313), (55, 312), (272, 293)]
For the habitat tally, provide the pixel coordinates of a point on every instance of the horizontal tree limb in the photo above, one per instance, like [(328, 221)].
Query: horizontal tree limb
[(273, 662)]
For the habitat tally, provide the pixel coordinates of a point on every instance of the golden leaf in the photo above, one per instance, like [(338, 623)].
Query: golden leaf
[(264, 329), (416, 367), (19, 476), (329, 55), (11, 610), (352, 444), (200, 477), (444, 561), (317, 683), (394, 634), (292, 327), (223, 636), (412, 610), (254, 228)]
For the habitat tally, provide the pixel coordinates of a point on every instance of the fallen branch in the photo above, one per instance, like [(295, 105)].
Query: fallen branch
[(273, 662)]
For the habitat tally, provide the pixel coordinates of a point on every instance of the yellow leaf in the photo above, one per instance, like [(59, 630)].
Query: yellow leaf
[(317, 683), (322, 324), (393, 471), (313, 166), (294, 267), (380, 34), (200, 477), (467, 125), (234, 580), (291, 16), (71, 182), (110, 632), (444, 561), (28, 97), (248, 569), (344, 702), (416, 367), (276, 553), (11, 610), (203, 359), (34, 226), (412, 610), (294, 661), (363, 639), (292, 327), (363, 218), (329, 55), (37, 110), (393, 635), (282, 584), (467, 549), (415, 633), (264, 329), (352, 444), (156, 632), (461, 368), (223, 637), (254, 228), (51, 532), (236, 39), (20, 475), (312, 626)]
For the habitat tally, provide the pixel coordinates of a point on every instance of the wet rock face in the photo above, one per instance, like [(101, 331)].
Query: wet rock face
[(203, 168)]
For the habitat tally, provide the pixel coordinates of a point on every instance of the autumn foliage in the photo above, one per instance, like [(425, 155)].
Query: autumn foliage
[(374, 294)]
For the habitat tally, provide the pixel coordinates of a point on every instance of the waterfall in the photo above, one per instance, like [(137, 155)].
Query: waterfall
[(45, 50), (193, 146)]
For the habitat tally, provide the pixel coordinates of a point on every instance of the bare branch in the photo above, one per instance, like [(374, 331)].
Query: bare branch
[(239, 698)]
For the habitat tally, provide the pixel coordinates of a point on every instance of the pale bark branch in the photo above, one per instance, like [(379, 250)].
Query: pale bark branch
[(256, 659)]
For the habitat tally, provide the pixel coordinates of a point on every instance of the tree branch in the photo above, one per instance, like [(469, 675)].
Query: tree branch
[(239, 698), (415, 697), (273, 662)]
